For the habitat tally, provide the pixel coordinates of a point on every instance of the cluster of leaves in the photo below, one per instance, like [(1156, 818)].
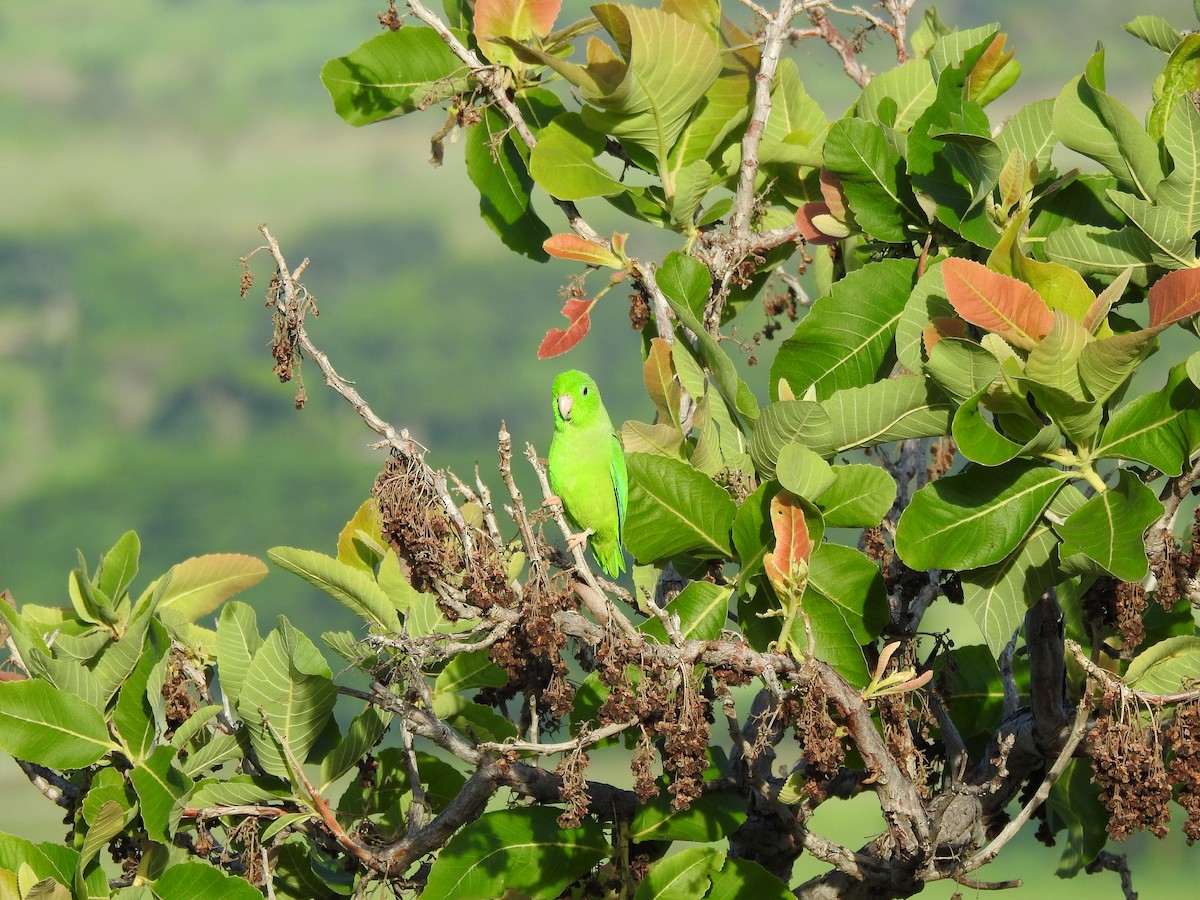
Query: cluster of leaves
[(969, 295)]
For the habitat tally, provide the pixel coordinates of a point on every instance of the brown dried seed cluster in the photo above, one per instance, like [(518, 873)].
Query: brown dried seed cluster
[(818, 735), (531, 654), (572, 771), (180, 696), (1128, 767), (1184, 738), (1120, 605)]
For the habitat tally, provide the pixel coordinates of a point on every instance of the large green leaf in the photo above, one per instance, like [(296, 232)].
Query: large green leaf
[(895, 409), (853, 584), (1167, 667), (803, 472), (352, 587), (49, 727), (200, 584), (741, 878), (797, 124), (788, 422), (1161, 429), (237, 642), (682, 876), (710, 817), (563, 163), (975, 518), (1104, 252), (1174, 246), (670, 65), (134, 713), (120, 565), (927, 301), (675, 509), (523, 850), (1031, 131), (1091, 121), (1180, 190), (860, 497), (1074, 805), (393, 73), (497, 169), (361, 737), (873, 179), (159, 784), (290, 685), (845, 339), (1109, 528), (998, 595), (897, 97)]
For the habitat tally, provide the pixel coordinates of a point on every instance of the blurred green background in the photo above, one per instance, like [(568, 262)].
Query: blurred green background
[(142, 142)]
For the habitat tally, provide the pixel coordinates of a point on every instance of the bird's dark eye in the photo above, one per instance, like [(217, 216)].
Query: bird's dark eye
[(585, 392)]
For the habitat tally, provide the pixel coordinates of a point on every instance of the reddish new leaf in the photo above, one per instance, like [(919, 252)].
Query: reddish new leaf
[(571, 246), (998, 303), (817, 225), (787, 564), (1173, 297), (831, 193), (988, 66), (558, 340), (941, 327)]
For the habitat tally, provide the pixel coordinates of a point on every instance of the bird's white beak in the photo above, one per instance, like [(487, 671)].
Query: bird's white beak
[(565, 402)]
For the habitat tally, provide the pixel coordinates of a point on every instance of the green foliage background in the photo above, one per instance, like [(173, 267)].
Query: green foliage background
[(141, 142)]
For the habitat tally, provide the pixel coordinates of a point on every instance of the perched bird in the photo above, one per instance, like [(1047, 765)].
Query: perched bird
[(587, 468)]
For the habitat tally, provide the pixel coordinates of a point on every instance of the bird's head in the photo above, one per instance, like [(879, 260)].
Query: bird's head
[(576, 399)]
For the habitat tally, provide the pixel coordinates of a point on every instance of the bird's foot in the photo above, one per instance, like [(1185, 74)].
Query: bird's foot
[(577, 541), (553, 501)]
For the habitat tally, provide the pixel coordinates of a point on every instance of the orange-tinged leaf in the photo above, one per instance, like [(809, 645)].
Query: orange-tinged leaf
[(572, 246), (1173, 297), (940, 327), (559, 340), (997, 303), (989, 64), (831, 193), (661, 384), (519, 19), (787, 564)]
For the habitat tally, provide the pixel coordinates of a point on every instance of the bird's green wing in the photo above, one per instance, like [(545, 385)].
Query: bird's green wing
[(620, 481)]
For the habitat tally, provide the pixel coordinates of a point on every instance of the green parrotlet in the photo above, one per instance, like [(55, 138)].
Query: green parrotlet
[(587, 468)]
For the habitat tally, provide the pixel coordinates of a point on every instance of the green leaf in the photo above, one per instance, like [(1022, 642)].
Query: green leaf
[(974, 518), (860, 497), (927, 301), (523, 850), (498, 170), (873, 180), (237, 642), (1168, 667), (1074, 805), (845, 340), (660, 439), (1161, 429), (897, 97), (1031, 131), (702, 608), (45, 860), (288, 683), (363, 734), (711, 817), (1109, 528), (895, 409), (46, 726), (973, 677), (998, 595), (159, 784), (786, 422), (467, 671), (200, 881), (681, 876), (353, 588), (741, 878), (1107, 364), (1179, 81), (133, 716), (1096, 124), (670, 65), (120, 565), (1174, 246), (1155, 31), (393, 73), (675, 509), (854, 585), (106, 825), (472, 718), (1104, 252), (796, 125), (563, 163), (199, 585), (803, 472), (1180, 190)]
